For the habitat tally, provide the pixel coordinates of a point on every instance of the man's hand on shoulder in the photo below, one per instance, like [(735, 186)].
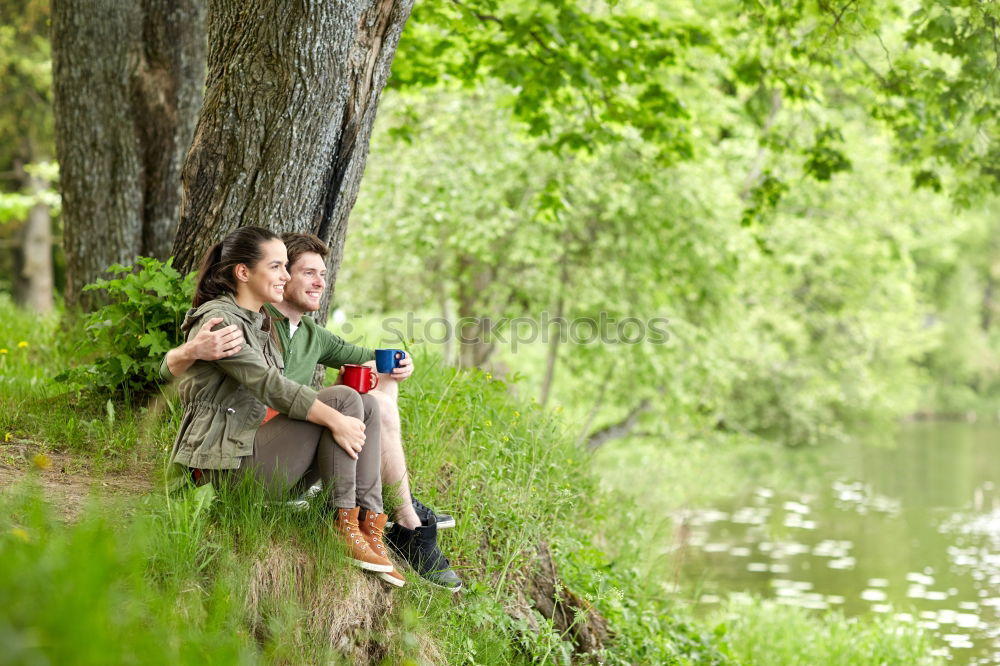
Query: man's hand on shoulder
[(209, 345), (206, 345)]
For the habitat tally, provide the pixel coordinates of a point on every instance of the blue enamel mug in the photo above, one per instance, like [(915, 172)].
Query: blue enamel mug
[(387, 360)]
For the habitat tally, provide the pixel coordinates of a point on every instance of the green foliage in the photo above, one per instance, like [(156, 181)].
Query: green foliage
[(796, 301), (128, 337), (506, 468), (654, 627), (930, 67), (14, 206), (26, 124), (825, 158), (236, 579), (80, 594), (766, 632), (582, 76)]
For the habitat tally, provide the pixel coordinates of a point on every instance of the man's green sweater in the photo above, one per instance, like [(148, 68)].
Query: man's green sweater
[(312, 344)]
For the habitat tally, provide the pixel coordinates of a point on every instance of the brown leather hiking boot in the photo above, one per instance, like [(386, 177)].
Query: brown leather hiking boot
[(346, 524), (392, 577), (372, 525)]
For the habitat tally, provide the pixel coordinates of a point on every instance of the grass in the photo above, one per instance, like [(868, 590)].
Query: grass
[(766, 632), (37, 408), (83, 595), (229, 578)]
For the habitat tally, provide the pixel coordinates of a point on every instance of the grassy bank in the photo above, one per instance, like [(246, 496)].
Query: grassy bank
[(554, 566)]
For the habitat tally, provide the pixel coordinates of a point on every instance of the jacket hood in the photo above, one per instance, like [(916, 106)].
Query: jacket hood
[(226, 303)]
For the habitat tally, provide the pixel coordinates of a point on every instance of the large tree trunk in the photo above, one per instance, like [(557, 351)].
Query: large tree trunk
[(127, 78), (282, 139)]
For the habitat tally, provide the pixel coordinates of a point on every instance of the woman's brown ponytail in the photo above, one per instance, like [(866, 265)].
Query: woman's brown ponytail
[(216, 277)]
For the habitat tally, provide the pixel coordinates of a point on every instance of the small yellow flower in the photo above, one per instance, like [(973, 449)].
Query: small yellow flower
[(487, 423), (8, 437), (489, 376), (3, 351), (22, 344), (42, 461), (517, 414), (20, 533), (506, 438)]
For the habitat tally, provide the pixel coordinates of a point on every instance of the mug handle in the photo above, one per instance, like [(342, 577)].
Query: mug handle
[(374, 382)]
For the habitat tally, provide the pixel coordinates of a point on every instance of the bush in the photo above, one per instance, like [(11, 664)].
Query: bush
[(127, 338)]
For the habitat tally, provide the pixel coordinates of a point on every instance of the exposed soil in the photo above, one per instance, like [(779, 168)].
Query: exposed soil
[(69, 481)]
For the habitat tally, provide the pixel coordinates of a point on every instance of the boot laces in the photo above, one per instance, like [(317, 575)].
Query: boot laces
[(375, 533)]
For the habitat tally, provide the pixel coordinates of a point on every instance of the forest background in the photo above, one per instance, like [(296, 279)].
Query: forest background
[(801, 194)]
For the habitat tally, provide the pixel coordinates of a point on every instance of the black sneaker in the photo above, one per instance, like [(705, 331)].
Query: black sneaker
[(424, 512), (420, 550)]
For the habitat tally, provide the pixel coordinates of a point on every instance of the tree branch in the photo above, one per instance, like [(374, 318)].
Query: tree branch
[(482, 17), (619, 429), (837, 18), (490, 18)]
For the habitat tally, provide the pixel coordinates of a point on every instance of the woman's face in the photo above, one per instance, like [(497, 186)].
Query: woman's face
[(266, 279)]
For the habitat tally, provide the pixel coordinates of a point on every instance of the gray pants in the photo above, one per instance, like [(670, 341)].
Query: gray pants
[(291, 454)]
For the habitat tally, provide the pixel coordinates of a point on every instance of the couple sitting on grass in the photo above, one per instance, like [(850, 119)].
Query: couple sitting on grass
[(249, 409)]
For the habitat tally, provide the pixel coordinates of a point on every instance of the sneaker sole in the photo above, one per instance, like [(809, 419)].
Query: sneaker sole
[(298, 505), (371, 566), (446, 525), (392, 580), (453, 590)]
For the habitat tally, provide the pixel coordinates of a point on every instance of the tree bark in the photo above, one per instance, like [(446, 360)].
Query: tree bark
[(36, 290), (444, 299), (474, 328), (127, 78), (290, 101), (552, 355), (167, 88)]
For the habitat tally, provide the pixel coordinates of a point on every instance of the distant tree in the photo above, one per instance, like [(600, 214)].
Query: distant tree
[(128, 82), (25, 142)]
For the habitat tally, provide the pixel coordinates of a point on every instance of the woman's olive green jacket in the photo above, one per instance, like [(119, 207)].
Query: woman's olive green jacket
[(225, 400)]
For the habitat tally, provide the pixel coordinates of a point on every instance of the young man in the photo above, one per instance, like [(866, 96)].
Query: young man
[(304, 344)]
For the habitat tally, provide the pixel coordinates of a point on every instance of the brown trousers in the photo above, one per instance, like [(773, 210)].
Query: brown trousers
[(290, 454)]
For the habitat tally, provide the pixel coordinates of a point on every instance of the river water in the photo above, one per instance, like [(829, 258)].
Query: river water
[(911, 530)]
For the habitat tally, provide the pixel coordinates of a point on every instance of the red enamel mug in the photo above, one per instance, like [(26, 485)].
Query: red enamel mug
[(361, 378)]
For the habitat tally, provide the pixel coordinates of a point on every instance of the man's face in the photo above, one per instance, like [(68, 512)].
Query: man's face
[(304, 291)]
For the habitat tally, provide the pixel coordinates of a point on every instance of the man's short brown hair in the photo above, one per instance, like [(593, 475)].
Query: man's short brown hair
[(299, 244)]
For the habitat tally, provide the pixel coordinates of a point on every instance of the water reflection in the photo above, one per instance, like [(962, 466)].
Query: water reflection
[(913, 531)]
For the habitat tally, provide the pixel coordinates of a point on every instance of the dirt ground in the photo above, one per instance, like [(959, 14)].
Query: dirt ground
[(69, 481)]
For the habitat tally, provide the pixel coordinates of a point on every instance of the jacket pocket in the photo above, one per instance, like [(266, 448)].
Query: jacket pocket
[(242, 420), (202, 432)]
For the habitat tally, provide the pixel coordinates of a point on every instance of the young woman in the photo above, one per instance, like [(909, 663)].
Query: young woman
[(242, 416)]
